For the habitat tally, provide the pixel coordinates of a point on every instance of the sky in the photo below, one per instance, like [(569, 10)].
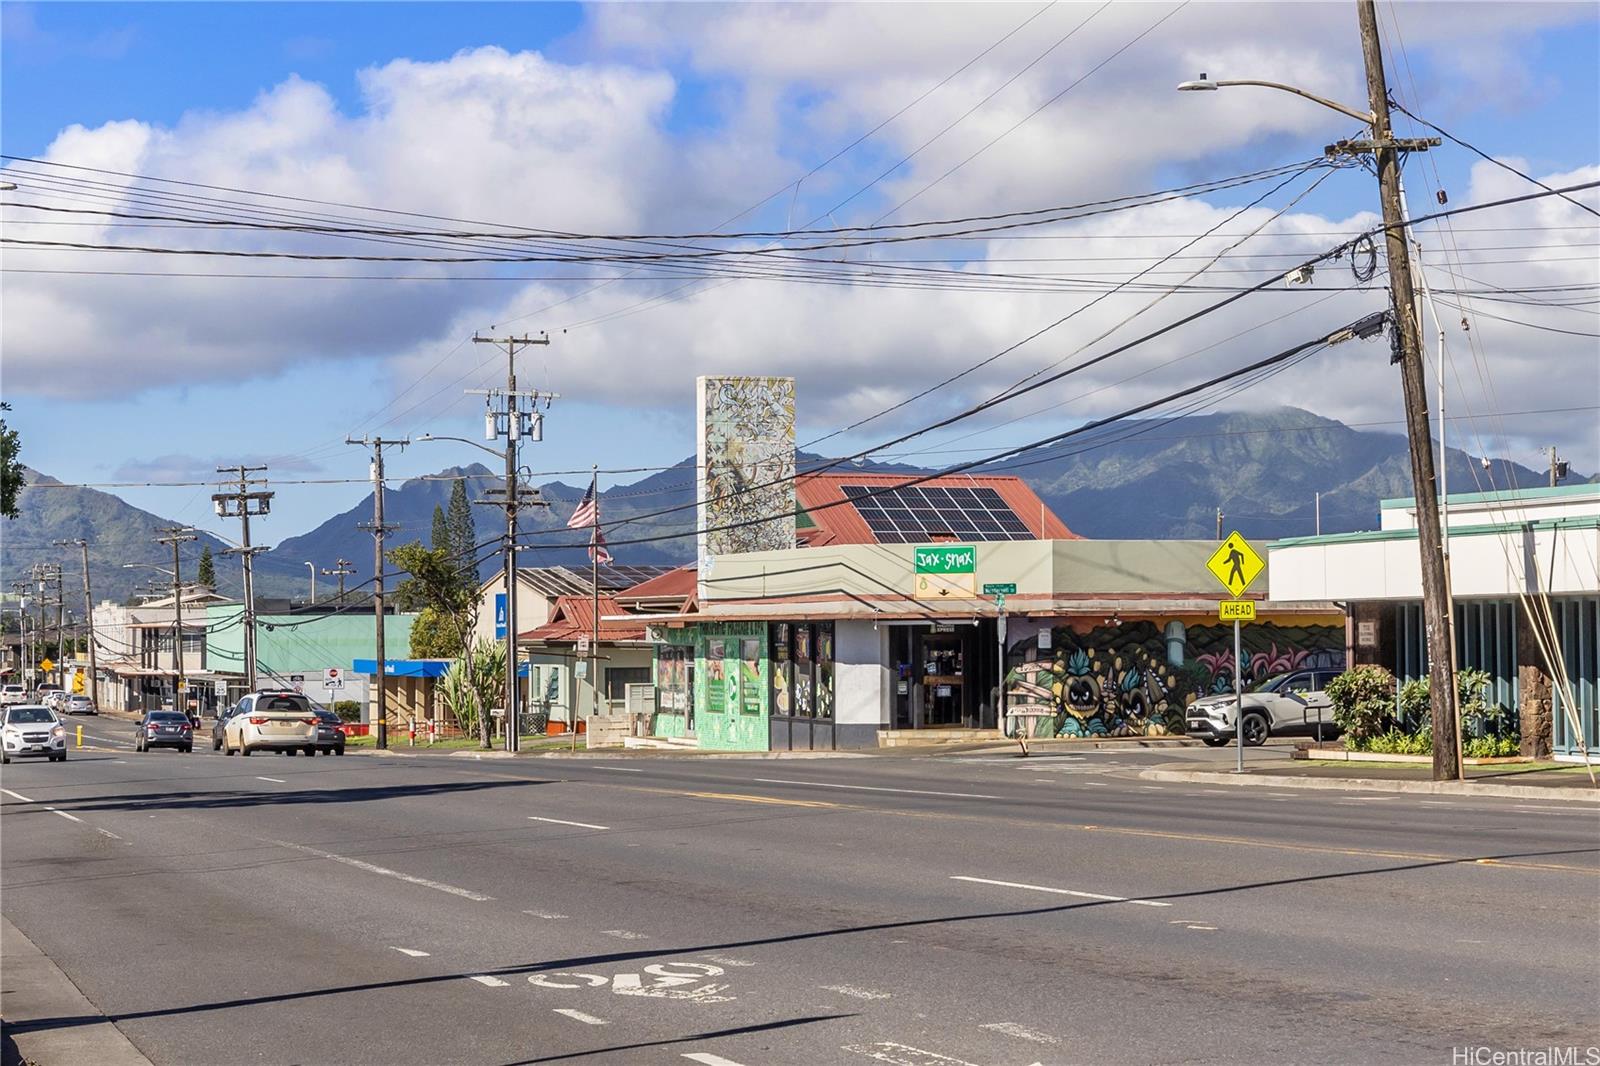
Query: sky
[(683, 118)]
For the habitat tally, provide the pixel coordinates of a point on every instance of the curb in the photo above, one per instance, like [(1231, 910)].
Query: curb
[(39, 997), (1066, 744), (1368, 784)]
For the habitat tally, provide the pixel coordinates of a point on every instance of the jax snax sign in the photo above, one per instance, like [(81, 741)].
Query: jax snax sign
[(945, 571)]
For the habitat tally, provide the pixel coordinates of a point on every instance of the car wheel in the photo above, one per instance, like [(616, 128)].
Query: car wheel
[(62, 757), (311, 753), (1214, 742), (216, 745), (339, 750), (6, 759), (187, 748), (244, 749), (291, 751), (1255, 730)]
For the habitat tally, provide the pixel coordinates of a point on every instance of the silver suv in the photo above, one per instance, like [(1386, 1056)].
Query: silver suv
[(32, 730), (1283, 705)]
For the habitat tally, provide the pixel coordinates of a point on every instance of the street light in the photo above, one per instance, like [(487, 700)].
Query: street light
[(313, 569), (464, 440), (1386, 149)]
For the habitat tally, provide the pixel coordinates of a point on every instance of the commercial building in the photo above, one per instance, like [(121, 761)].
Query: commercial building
[(1526, 592)]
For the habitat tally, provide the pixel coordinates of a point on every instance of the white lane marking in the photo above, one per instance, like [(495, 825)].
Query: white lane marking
[(579, 1016), (492, 982), (1095, 784), (64, 814), (856, 993), (17, 795), (413, 952), (1021, 1032), (1152, 788), (107, 832), (1217, 791), (728, 960), (705, 1058), (903, 1054), (622, 770), (274, 780), (372, 868), (624, 934), (1061, 891), (1202, 928), (1563, 810), (1437, 803), (546, 914), (558, 821), (873, 788)]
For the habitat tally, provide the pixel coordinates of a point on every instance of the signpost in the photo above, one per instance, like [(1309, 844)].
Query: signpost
[(1235, 564)]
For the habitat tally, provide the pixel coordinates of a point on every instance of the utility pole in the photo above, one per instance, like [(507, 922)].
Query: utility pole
[(176, 535), (22, 588), (1435, 594), (1559, 467), (340, 571), (378, 528), (242, 503), (88, 617), (44, 574), (1219, 523), (519, 419)]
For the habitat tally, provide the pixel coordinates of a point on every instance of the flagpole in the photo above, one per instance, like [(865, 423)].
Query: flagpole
[(594, 584)]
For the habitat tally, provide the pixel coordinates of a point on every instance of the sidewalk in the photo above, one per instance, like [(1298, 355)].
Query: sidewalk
[(1541, 781), (46, 1019)]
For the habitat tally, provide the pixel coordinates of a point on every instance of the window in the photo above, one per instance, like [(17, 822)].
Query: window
[(802, 669), (618, 678)]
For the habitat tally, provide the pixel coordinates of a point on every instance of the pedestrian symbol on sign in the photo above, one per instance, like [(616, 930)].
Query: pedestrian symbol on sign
[(1235, 564)]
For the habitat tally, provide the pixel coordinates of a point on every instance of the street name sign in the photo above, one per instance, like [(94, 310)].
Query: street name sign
[(1236, 611), (1235, 564), (1000, 589)]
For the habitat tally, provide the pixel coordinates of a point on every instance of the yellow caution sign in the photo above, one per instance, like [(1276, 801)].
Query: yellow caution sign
[(46, 665), (77, 683), (1237, 611), (1235, 564)]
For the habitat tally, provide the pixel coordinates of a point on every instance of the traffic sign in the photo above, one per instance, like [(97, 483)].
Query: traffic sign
[(332, 678), (46, 665), (1236, 611), (583, 645), (1000, 589), (1235, 564)]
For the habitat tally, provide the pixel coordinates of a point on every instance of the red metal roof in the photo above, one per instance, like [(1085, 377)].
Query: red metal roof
[(840, 523), (677, 584), (573, 617)]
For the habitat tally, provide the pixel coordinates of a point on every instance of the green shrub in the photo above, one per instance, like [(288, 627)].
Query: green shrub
[(1398, 742), (1492, 747), (347, 710), (1363, 702)]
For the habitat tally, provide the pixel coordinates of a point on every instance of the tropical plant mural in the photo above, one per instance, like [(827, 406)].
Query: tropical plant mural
[(1116, 680)]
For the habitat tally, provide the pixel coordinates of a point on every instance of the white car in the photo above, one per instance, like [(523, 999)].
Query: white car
[(271, 721), (1282, 705), (30, 730), (10, 694)]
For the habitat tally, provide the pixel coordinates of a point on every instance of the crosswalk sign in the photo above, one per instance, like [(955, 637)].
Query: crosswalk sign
[(1235, 564)]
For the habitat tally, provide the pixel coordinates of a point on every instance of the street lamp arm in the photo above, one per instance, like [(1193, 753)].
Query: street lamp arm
[(146, 566), (1203, 83), (481, 447)]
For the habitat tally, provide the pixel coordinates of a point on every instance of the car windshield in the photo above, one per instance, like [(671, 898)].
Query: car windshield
[(29, 716), (167, 716), (1269, 684), (281, 704), (327, 716)]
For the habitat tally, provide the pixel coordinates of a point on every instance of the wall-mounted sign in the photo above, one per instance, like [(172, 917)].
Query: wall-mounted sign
[(945, 571), (1007, 588), (499, 616), (1367, 634), (1044, 639)]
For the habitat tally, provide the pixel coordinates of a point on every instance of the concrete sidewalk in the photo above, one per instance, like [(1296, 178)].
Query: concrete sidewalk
[(1561, 785), (47, 1021)]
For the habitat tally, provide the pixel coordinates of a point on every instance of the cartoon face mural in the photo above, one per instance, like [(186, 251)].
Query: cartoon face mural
[(1117, 681)]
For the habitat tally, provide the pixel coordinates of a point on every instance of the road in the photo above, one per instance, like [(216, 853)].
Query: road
[(916, 910)]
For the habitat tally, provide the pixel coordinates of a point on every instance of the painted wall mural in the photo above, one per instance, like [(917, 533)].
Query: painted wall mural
[(730, 686), (1121, 681), (746, 464)]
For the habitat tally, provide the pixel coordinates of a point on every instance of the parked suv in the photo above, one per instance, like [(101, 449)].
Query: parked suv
[(1281, 706), (32, 729), (10, 694), (271, 721)]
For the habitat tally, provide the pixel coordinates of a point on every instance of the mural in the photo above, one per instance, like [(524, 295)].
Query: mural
[(730, 686), (746, 464), (1118, 680)]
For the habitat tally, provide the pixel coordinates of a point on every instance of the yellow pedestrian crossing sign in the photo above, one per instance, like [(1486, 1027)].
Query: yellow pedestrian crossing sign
[(46, 665), (1235, 564)]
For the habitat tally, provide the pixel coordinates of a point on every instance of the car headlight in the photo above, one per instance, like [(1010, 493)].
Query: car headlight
[(59, 731)]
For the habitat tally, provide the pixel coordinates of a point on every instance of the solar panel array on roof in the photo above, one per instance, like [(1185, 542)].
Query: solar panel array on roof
[(917, 514)]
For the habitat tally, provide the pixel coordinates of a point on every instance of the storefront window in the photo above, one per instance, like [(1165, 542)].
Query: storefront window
[(673, 665), (802, 669), (782, 676)]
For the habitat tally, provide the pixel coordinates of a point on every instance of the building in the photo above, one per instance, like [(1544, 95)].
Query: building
[(538, 589), (133, 647), (913, 606), (1523, 564)]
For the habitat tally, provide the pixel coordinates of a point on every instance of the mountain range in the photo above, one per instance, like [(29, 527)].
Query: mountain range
[(1159, 478)]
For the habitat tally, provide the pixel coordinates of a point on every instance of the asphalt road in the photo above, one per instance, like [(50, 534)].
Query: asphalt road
[(925, 911)]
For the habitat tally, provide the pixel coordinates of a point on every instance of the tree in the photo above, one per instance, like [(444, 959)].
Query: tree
[(435, 582), (434, 636), (463, 536), (441, 529), (206, 575), (12, 478)]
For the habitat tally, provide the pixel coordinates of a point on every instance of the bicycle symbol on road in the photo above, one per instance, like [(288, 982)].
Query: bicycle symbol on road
[(668, 980)]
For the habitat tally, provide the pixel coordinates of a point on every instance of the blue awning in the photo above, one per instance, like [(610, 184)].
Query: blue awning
[(412, 667)]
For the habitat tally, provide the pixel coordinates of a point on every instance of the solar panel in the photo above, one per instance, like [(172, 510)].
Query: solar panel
[(915, 514)]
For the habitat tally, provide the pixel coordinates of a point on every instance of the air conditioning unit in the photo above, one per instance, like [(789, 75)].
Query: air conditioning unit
[(640, 699)]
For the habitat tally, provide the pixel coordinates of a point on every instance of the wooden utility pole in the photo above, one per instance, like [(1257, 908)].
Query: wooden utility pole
[(1435, 597), (519, 420), (175, 536), (341, 570), (241, 503), (380, 713), (88, 619)]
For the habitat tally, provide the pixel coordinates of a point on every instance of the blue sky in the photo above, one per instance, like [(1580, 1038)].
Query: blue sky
[(718, 107)]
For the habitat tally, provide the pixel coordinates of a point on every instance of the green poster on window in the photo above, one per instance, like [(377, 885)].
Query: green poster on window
[(750, 675), (716, 680)]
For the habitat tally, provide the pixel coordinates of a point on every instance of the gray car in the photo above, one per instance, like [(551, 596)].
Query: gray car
[(79, 705), (1283, 705), (165, 729)]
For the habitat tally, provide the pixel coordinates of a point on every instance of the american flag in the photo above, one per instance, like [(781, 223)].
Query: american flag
[(597, 547), (588, 512)]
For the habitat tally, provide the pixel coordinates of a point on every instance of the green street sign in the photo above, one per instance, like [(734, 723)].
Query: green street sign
[(955, 559), (1008, 588)]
